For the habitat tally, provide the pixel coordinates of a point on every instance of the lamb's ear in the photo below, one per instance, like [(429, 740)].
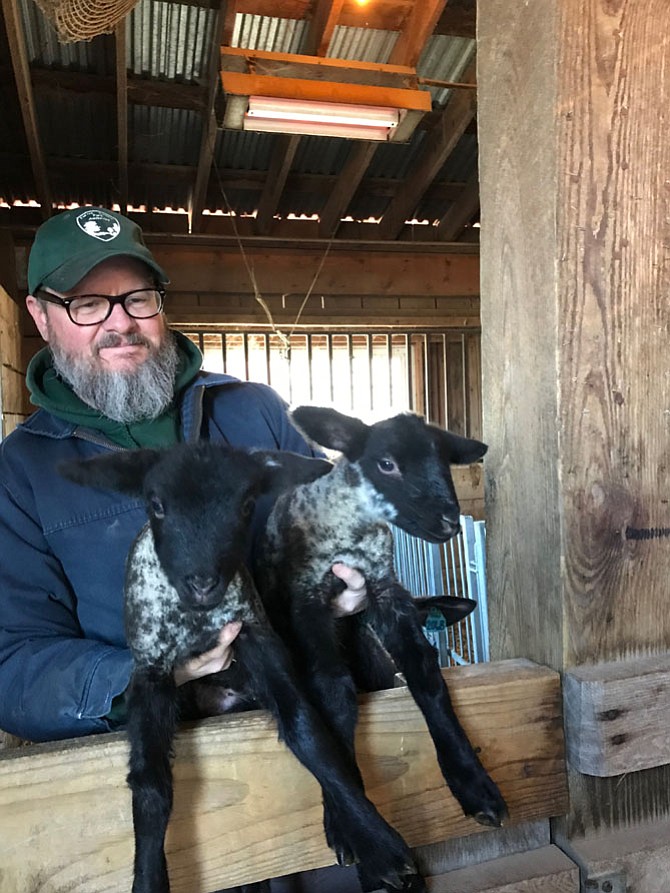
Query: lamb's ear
[(124, 471), (284, 470), (331, 429), (451, 608), (462, 450)]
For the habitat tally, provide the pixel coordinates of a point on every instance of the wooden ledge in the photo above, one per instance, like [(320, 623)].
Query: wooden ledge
[(546, 869), (617, 715), (244, 807)]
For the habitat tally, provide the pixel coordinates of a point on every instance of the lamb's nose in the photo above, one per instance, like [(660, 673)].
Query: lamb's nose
[(201, 586), (451, 526)]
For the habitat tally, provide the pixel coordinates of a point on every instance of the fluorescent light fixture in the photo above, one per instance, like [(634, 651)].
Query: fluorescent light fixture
[(280, 115)]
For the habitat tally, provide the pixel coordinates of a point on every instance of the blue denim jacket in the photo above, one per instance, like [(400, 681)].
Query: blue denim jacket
[(63, 656)]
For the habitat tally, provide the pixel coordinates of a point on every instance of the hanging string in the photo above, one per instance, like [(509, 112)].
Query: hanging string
[(311, 288), (285, 339), (248, 264)]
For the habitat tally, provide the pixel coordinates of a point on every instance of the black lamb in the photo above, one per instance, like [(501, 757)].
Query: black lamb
[(185, 578), (397, 470)]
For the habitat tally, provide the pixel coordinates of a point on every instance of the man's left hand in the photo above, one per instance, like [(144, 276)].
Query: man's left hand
[(355, 597)]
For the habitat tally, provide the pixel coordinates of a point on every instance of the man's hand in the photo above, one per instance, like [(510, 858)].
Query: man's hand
[(355, 596), (219, 658)]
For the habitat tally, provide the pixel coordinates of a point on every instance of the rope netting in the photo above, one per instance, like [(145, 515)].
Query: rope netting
[(84, 19)]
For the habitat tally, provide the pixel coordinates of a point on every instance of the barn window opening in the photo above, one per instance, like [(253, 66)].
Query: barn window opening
[(369, 374)]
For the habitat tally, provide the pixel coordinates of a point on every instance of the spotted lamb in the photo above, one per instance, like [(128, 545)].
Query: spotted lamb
[(397, 470)]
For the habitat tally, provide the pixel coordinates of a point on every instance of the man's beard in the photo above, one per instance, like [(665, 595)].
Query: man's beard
[(140, 394)]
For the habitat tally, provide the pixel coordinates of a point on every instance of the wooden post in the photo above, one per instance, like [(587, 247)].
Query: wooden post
[(576, 371)]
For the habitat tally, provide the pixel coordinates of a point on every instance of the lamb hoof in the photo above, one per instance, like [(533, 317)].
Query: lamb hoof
[(345, 858), (406, 883), (490, 819)]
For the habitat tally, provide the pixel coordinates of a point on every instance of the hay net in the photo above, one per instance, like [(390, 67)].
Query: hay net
[(84, 19)]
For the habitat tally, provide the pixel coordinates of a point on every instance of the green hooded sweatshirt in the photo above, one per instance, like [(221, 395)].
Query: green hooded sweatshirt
[(50, 392)]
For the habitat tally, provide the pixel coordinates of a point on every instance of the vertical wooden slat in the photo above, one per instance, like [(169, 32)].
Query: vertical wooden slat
[(309, 366), (410, 377), (331, 380), (268, 363)]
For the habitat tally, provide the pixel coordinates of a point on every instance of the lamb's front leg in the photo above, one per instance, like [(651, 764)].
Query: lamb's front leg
[(355, 830), (152, 721), (326, 677), (393, 616)]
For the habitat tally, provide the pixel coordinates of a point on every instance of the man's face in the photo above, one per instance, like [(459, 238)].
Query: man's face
[(125, 368), (120, 343)]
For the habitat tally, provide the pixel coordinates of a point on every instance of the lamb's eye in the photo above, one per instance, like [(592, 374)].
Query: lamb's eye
[(156, 507), (387, 466)]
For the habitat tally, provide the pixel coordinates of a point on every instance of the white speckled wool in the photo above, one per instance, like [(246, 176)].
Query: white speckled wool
[(342, 518), (161, 631)]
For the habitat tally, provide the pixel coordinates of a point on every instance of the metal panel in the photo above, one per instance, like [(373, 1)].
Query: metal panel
[(456, 568)]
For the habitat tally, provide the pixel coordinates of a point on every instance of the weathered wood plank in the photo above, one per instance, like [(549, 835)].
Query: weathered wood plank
[(223, 271), (617, 715), (245, 809), (545, 870), (381, 312)]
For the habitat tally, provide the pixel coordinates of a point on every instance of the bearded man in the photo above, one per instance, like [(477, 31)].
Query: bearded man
[(113, 376)]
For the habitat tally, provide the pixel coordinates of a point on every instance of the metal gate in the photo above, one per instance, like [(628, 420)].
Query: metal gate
[(456, 568)]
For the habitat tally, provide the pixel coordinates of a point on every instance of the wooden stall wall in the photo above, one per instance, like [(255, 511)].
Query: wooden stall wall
[(352, 286), (14, 405), (576, 389)]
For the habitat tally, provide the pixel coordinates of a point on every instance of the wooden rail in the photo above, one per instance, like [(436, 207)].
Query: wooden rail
[(245, 809), (617, 715)]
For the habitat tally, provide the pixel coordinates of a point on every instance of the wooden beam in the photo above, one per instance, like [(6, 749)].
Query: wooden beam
[(245, 809), (295, 66), (461, 212), (187, 309), (437, 147), (416, 31), (617, 715), (357, 163), (197, 268), (320, 32), (285, 147), (24, 88), (209, 127), (122, 113)]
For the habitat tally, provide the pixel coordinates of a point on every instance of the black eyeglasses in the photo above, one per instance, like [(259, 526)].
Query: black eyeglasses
[(91, 310)]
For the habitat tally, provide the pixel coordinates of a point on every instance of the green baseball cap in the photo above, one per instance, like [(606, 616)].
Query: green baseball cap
[(69, 245)]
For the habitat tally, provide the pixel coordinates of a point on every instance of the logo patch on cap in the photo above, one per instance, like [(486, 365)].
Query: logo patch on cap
[(99, 224)]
